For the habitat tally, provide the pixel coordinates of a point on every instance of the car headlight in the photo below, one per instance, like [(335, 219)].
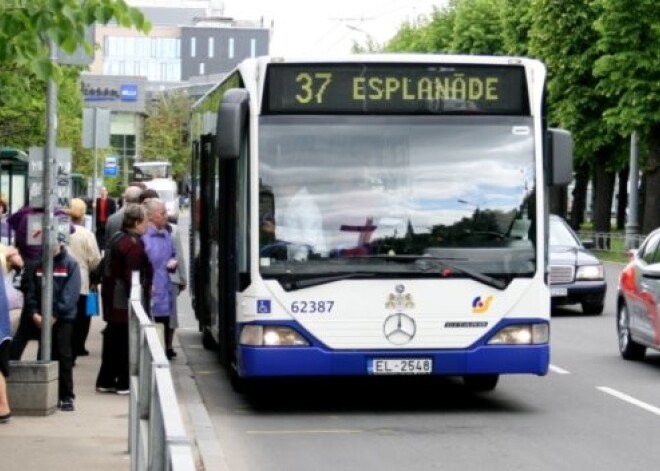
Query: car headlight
[(271, 336), (522, 334), (590, 272)]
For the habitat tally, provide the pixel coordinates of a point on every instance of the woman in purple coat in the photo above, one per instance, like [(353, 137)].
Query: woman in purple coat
[(5, 340), (160, 250)]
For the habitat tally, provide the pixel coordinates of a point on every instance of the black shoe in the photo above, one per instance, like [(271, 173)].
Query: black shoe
[(82, 353), (66, 405), (5, 418), (170, 353)]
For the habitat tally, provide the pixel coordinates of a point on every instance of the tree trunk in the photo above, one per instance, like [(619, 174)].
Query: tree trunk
[(622, 199), (603, 190), (641, 197), (651, 218), (579, 196)]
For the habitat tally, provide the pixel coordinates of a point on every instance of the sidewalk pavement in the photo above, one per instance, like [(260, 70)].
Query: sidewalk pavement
[(94, 436)]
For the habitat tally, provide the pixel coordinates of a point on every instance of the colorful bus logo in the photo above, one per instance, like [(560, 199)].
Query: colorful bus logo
[(481, 306)]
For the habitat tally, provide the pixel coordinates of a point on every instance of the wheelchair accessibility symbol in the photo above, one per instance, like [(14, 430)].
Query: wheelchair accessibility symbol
[(263, 306)]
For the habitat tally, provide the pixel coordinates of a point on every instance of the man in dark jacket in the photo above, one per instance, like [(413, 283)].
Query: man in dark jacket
[(66, 290), (105, 207)]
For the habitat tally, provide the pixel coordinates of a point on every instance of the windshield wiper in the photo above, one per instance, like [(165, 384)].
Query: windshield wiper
[(475, 275), (292, 285)]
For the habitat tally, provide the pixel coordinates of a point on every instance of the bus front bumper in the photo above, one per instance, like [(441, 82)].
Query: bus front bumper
[(263, 362)]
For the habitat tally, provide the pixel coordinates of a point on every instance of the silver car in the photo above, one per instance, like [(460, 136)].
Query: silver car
[(638, 298)]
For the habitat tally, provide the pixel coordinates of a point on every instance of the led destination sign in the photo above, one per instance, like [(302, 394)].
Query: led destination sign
[(396, 88)]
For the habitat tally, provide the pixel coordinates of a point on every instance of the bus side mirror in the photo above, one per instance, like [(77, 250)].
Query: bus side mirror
[(560, 157), (232, 115)]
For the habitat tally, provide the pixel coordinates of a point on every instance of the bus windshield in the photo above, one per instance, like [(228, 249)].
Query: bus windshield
[(149, 170), (396, 195)]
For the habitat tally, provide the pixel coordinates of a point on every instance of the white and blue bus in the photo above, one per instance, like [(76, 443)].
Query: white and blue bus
[(376, 215)]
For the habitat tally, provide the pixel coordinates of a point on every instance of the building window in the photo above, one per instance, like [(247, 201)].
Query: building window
[(230, 52), (211, 47), (253, 47), (201, 68), (193, 46), (157, 58)]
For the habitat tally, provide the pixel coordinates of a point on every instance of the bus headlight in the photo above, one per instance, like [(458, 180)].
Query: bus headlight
[(522, 334), (590, 272), (271, 336)]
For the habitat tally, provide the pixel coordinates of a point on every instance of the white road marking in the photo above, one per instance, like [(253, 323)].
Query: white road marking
[(558, 370), (297, 432), (630, 399)]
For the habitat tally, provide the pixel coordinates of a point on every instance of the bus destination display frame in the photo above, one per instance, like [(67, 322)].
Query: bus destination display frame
[(380, 88)]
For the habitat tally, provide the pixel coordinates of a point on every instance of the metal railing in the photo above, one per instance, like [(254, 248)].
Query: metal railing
[(612, 241), (157, 437)]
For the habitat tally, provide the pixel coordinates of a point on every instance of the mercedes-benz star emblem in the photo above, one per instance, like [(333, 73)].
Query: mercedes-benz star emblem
[(399, 328)]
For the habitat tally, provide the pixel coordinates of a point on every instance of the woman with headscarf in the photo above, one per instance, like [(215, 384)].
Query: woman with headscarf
[(125, 255)]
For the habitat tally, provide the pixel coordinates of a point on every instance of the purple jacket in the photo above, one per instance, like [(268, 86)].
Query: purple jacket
[(5, 324), (18, 223), (160, 249)]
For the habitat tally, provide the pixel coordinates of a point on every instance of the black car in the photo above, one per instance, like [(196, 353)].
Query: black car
[(576, 275)]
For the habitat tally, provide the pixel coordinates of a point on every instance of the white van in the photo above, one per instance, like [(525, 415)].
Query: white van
[(167, 191)]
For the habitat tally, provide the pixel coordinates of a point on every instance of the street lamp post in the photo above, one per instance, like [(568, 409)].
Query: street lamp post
[(632, 227)]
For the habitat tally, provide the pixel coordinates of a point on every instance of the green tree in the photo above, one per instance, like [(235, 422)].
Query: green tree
[(438, 33), (26, 28), (25, 127), (569, 52), (628, 70), (517, 20), (477, 27), (166, 131), (409, 38)]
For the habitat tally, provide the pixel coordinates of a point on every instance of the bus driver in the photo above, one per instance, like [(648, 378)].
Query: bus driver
[(298, 224)]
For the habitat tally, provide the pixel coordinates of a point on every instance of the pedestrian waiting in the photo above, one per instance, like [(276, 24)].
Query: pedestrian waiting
[(125, 254), (84, 248), (66, 290)]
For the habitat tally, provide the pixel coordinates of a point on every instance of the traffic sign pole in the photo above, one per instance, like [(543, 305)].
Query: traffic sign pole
[(47, 229)]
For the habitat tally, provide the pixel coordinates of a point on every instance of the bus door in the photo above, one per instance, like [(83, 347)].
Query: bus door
[(203, 164), (233, 219)]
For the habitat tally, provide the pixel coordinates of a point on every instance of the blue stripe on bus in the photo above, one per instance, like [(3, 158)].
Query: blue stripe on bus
[(318, 360)]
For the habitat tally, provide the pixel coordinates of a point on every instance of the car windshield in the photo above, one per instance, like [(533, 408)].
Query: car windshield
[(561, 234), (373, 194)]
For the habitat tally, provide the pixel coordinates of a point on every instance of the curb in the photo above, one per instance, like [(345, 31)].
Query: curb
[(209, 454)]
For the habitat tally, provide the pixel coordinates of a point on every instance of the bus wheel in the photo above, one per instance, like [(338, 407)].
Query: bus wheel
[(207, 339), (480, 383), (240, 385)]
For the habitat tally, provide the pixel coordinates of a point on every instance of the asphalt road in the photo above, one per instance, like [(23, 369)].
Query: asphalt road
[(593, 411)]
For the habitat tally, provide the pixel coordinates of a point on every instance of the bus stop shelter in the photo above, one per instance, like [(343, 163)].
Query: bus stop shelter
[(13, 183)]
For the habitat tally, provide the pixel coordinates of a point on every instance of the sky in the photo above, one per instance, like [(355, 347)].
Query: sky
[(308, 27)]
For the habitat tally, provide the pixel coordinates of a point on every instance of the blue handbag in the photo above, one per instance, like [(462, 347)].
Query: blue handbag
[(92, 303)]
